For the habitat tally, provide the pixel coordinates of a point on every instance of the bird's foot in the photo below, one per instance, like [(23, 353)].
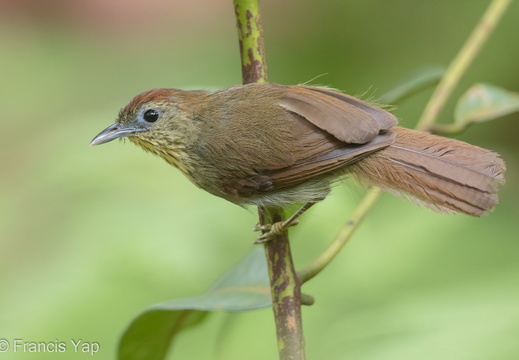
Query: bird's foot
[(270, 231)]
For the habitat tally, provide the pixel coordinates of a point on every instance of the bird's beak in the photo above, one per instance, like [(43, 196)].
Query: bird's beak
[(112, 132)]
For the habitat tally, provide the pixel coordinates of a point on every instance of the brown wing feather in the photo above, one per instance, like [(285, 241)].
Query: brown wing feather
[(328, 162), (346, 118), (384, 119)]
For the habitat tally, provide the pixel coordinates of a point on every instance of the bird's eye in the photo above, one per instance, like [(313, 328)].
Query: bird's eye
[(151, 115)]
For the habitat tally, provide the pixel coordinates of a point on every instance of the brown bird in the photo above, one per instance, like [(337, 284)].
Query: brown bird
[(275, 145)]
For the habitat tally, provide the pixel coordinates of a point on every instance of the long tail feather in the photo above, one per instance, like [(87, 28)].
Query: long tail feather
[(443, 174)]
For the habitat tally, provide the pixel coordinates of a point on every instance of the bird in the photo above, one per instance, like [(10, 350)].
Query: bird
[(268, 144)]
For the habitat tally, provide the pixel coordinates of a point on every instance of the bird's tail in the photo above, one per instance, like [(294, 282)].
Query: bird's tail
[(443, 174)]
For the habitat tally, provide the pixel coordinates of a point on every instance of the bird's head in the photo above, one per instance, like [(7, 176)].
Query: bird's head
[(146, 119)]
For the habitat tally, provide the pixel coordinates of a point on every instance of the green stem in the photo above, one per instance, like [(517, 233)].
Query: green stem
[(461, 62), (284, 283), (456, 69), (285, 287), (448, 129), (342, 237), (250, 37)]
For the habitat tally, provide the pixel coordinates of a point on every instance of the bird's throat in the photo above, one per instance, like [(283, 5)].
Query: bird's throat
[(171, 156)]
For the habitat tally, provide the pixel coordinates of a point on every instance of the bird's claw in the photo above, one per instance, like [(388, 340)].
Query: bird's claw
[(272, 230)]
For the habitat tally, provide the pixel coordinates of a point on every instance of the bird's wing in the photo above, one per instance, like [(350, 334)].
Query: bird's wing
[(329, 131), (349, 119), (335, 159)]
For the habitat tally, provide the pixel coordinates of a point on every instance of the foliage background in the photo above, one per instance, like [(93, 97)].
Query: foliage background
[(89, 237)]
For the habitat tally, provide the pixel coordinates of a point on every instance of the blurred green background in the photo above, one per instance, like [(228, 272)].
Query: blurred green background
[(89, 237)]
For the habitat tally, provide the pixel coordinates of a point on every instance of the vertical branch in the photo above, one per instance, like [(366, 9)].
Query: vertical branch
[(250, 36), (284, 283), (286, 291)]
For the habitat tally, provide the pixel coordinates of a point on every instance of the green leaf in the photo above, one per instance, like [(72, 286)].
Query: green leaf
[(415, 82), (484, 102), (245, 287)]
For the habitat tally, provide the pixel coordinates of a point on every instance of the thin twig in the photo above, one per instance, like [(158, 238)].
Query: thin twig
[(461, 62), (342, 237), (448, 129)]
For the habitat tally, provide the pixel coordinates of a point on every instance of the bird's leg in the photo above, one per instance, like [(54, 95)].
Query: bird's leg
[(272, 230)]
